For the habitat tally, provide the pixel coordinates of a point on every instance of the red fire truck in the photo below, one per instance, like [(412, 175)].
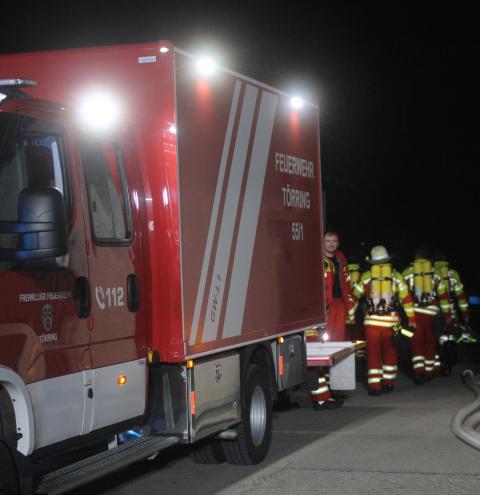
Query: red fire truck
[(160, 247)]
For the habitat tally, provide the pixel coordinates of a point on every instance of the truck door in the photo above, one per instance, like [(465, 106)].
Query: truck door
[(117, 339), (43, 338)]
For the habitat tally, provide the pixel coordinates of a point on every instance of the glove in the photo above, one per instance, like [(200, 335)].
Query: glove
[(466, 335), (407, 331), (350, 316), (396, 335), (466, 338), (398, 331)]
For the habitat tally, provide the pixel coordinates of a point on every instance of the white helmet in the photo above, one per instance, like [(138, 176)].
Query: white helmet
[(379, 254)]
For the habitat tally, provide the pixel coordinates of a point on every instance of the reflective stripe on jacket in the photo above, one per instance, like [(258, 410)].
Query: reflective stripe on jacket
[(399, 288), (441, 301)]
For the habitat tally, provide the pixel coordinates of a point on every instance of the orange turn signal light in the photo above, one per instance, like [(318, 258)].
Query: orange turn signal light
[(122, 379)]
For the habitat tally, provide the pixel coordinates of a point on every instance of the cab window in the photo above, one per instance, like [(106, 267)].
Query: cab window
[(107, 192), (31, 154)]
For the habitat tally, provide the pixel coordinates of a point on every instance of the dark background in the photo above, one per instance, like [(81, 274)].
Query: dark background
[(397, 86)]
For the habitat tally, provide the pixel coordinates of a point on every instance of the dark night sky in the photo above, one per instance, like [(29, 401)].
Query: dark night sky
[(397, 86)]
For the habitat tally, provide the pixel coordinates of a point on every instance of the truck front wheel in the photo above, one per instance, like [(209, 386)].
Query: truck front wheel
[(255, 432), (14, 468), (8, 478), (207, 452)]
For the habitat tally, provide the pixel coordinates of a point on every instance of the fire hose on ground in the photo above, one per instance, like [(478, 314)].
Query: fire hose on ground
[(466, 421)]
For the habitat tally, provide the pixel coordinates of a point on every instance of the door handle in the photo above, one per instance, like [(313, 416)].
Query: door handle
[(133, 295), (83, 299)]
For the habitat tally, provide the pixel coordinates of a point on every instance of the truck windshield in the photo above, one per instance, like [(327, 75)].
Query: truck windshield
[(29, 155)]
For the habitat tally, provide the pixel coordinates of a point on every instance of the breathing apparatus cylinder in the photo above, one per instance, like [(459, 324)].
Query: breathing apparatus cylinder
[(442, 267), (418, 279), (427, 276), (386, 275), (354, 271), (376, 284)]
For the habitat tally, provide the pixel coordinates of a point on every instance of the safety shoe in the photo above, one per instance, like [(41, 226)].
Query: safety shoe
[(386, 389), (327, 404), (375, 392), (446, 371), (419, 379), (337, 395)]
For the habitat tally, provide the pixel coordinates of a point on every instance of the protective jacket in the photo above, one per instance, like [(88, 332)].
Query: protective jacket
[(330, 271), (454, 287), (338, 299)]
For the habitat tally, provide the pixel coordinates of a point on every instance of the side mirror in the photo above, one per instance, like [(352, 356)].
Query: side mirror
[(41, 229)]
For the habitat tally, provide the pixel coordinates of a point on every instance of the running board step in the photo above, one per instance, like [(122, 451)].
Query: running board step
[(95, 467)]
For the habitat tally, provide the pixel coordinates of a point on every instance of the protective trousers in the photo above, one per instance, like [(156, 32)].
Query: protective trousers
[(381, 356), (336, 316), (423, 345), (317, 383), (355, 331)]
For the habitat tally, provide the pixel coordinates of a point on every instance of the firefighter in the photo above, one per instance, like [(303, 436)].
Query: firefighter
[(336, 284), (384, 289), (355, 330), (460, 315), (430, 295), (455, 288), (338, 295)]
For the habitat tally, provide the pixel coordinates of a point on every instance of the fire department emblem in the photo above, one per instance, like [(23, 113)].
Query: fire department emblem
[(47, 314)]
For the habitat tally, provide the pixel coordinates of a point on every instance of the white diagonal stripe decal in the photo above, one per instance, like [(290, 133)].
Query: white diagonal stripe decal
[(213, 219), (224, 246), (249, 220)]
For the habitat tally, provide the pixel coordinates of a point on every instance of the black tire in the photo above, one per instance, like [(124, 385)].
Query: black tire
[(207, 452), (255, 432), (8, 477), (15, 473), (7, 419)]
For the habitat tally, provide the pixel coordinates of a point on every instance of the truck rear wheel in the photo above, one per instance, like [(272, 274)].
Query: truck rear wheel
[(207, 452), (255, 432)]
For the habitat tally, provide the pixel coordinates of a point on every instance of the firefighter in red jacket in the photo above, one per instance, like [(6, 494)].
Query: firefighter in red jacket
[(430, 295), (338, 295), (384, 288), (336, 284)]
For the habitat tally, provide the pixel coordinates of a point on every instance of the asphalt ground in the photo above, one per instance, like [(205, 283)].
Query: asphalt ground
[(398, 443)]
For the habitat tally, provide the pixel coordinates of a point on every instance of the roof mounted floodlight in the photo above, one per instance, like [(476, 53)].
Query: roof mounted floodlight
[(17, 82), (297, 103), (11, 88)]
